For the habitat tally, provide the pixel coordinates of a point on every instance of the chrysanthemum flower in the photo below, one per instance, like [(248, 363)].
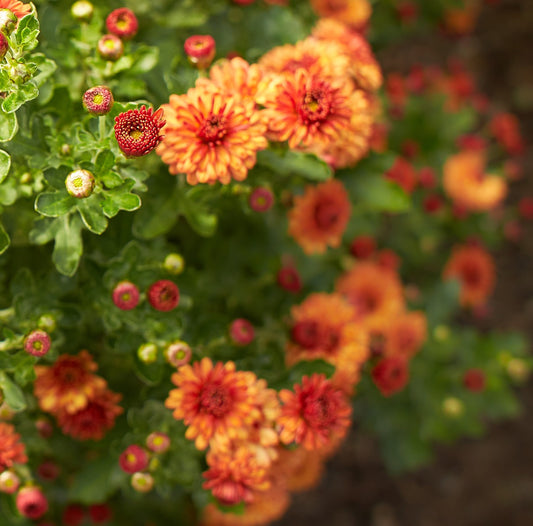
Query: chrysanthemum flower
[(98, 100), (19, 9), (474, 268), (126, 295), (288, 278), (363, 67), (232, 477), (12, 451), (31, 502), (211, 136), (138, 131), (375, 292), (234, 76), (212, 399), (164, 295), (301, 469), (134, 458), (37, 343), (314, 413), (355, 13), (73, 515), (467, 185), (261, 199), (200, 50), (241, 332), (506, 130), (405, 333), (178, 353), (323, 327), (9, 481), (67, 385), (474, 380), (142, 482), (311, 111), (320, 216), (362, 247), (158, 442), (94, 420), (391, 375), (100, 513), (110, 47), (122, 22)]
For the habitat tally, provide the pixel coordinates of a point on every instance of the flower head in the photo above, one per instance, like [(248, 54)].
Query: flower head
[(354, 13), (474, 268), (314, 414), (82, 10), (211, 135), (37, 343), (320, 216), (474, 380), (391, 375), (288, 278), (467, 185), (126, 295), (174, 264), (31, 503), (178, 353), (138, 131), (142, 482), (73, 515), (95, 419), (200, 50), (9, 482), (19, 9), (80, 183), (362, 247), (110, 47), (100, 513), (164, 295), (241, 332), (12, 451), (261, 199), (212, 399), (68, 384), (122, 22), (506, 130), (405, 333), (134, 458), (98, 100), (158, 442)]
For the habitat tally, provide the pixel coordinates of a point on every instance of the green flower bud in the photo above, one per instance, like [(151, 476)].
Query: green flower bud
[(80, 183), (82, 10), (174, 264), (147, 353), (8, 21), (453, 407)]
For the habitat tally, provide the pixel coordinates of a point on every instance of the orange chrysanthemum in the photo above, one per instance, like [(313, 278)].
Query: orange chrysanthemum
[(68, 385), (405, 334), (364, 68), (234, 76), (314, 111), (211, 135), (321, 58), (467, 185), (11, 450), (474, 268), (19, 9), (355, 13), (314, 414), (301, 469), (319, 217), (266, 506), (323, 327), (213, 399), (233, 477), (374, 291), (94, 420)]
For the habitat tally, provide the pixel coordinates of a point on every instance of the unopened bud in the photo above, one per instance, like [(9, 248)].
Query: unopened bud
[(47, 322), (178, 353), (174, 264), (8, 21), (9, 482), (518, 370), (200, 50), (82, 10), (147, 353), (110, 47), (98, 100), (142, 482), (80, 183), (453, 407)]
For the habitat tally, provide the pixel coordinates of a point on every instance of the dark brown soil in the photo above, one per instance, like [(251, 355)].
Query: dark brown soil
[(487, 482)]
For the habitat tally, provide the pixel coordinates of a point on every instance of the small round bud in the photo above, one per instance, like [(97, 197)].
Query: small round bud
[(474, 380), (147, 353), (453, 407), (122, 22), (4, 45), (65, 149), (48, 470), (126, 295), (44, 427), (261, 199), (82, 10), (441, 333), (518, 370), (26, 178), (134, 458), (80, 183), (9, 482), (142, 482), (178, 353), (241, 331), (98, 100), (174, 264), (164, 295), (200, 50), (158, 442), (8, 21), (110, 47), (47, 322), (31, 503), (37, 343), (289, 279), (362, 247), (100, 513), (19, 73)]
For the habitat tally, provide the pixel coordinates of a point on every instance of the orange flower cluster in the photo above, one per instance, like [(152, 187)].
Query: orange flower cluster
[(233, 413), (355, 13), (12, 451), (79, 399)]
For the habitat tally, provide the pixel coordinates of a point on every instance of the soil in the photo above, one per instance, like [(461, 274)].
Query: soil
[(485, 482)]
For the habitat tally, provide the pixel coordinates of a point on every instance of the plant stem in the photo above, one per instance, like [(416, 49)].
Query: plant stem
[(101, 127)]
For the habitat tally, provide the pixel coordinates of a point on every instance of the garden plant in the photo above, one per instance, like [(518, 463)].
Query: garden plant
[(226, 236)]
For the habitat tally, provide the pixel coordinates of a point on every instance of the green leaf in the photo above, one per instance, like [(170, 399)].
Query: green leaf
[(54, 204), (68, 246), (295, 163), (442, 301), (25, 92), (96, 481), (308, 368), (44, 230), (8, 126), (157, 216), (13, 394), (144, 59), (27, 32), (4, 240), (374, 192), (5, 164), (111, 180), (120, 198), (122, 64), (104, 162), (200, 220), (92, 214), (55, 177)]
